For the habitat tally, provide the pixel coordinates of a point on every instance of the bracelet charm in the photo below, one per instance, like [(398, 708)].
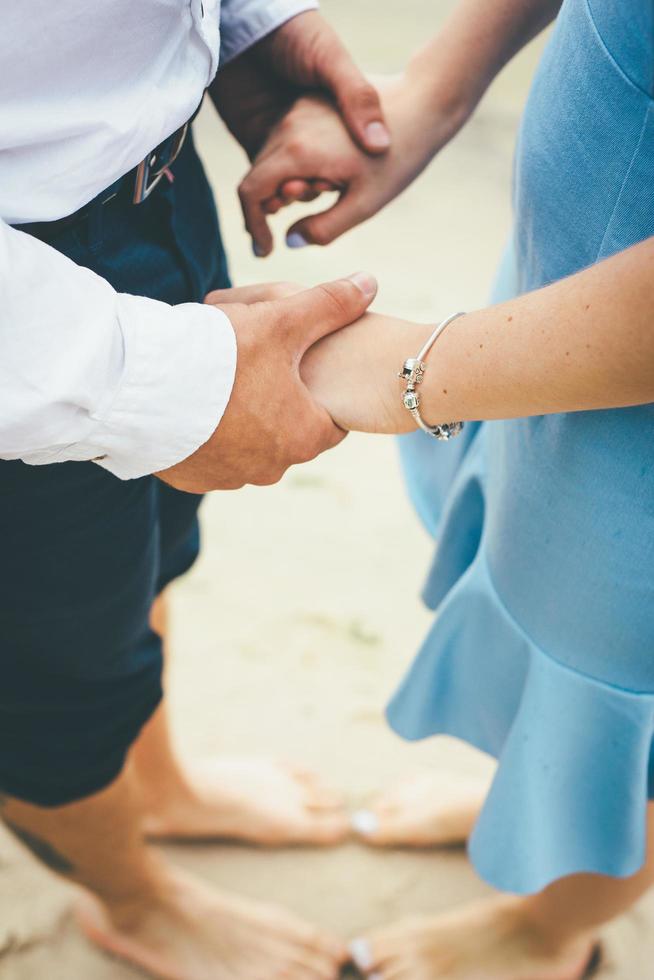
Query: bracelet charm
[(412, 374)]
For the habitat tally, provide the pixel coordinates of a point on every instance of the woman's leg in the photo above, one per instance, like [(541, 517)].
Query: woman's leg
[(257, 800), (139, 907), (549, 936)]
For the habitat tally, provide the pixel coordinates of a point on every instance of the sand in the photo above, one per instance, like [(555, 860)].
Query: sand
[(292, 630)]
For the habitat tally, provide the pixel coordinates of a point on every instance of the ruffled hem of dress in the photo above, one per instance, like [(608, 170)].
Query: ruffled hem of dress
[(571, 789)]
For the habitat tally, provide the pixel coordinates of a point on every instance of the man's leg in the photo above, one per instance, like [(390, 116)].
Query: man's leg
[(138, 906), (81, 677), (80, 566), (247, 799), (259, 800)]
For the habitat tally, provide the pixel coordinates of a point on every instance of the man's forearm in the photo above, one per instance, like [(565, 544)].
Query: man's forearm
[(477, 40), (89, 373)]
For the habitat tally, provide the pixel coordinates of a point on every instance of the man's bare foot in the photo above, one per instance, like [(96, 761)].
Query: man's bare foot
[(255, 800), (490, 940), (192, 933), (423, 810)]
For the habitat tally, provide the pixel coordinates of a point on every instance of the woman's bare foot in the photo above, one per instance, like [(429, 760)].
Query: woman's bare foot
[(256, 800), (491, 940), (423, 810), (192, 933)]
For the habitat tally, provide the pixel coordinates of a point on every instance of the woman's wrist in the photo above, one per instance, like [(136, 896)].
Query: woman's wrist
[(439, 95)]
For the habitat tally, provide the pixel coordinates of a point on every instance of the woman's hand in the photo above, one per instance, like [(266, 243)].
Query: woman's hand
[(354, 373), (310, 151)]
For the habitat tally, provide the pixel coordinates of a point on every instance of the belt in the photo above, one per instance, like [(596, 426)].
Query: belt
[(139, 182)]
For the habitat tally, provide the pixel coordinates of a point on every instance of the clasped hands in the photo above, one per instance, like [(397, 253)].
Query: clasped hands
[(301, 145)]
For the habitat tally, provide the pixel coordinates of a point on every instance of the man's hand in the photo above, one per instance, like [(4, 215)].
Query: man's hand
[(271, 421), (253, 92), (307, 52), (310, 147)]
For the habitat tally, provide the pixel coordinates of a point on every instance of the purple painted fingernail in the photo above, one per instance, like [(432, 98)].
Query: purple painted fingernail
[(295, 240), (258, 251)]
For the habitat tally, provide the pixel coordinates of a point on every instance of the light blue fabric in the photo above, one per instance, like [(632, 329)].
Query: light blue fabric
[(542, 650)]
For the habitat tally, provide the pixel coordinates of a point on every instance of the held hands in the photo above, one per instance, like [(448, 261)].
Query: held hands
[(253, 91), (311, 151), (272, 421)]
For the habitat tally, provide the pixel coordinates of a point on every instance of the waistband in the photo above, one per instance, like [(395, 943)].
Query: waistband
[(136, 185)]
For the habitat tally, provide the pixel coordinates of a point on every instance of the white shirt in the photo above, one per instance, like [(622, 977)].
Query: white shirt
[(86, 91)]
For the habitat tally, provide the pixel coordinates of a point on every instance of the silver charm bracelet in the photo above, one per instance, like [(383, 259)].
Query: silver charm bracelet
[(412, 373)]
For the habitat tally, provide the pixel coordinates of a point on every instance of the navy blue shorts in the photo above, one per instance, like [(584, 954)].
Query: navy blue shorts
[(83, 554)]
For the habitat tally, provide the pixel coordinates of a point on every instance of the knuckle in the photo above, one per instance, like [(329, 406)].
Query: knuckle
[(321, 235), (281, 290), (307, 452), (366, 97), (314, 442), (270, 472), (243, 189), (301, 449), (296, 147), (287, 123), (233, 483), (336, 298)]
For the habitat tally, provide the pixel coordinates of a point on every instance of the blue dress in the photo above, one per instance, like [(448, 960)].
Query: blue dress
[(542, 649)]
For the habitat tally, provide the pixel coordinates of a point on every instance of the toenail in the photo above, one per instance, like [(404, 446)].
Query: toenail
[(365, 822), (360, 953)]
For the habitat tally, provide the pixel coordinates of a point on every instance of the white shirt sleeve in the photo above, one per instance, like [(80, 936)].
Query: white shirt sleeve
[(89, 373), (244, 22)]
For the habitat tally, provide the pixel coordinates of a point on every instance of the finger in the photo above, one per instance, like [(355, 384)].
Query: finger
[(260, 292), (308, 195), (298, 190), (260, 197), (258, 186), (325, 227), (272, 205), (315, 432), (316, 312), (357, 99), (292, 190)]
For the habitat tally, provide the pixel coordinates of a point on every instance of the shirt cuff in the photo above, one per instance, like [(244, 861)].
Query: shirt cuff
[(244, 22), (179, 368)]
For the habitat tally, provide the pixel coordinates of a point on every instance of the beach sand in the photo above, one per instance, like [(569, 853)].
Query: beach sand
[(296, 624)]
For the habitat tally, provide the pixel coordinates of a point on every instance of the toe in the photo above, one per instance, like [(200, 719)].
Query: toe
[(309, 964), (325, 945), (361, 954), (375, 952), (381, 828), (329, 828), (322, 798), (365, 823)]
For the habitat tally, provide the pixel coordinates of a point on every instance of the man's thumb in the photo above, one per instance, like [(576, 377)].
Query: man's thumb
[(316, 312)]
